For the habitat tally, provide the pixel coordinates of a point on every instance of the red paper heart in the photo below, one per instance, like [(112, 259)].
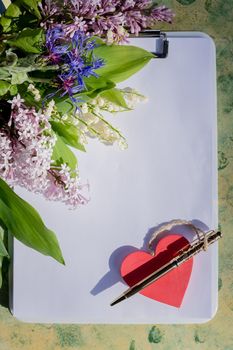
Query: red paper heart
[(170, 288)]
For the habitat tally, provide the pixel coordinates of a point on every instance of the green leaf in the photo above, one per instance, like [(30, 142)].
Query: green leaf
[(122, 61), (13, 90), (27, 61), (5, 23), (13, 11), (3, 251), (4, 73), (1, 271), (64, 106), (2, 47), (63, 154), (4, 87), (98, 83), (1, 259), (11, 58), (31, 6), (115, 96), (29, 40), (19, 77), (25, 224), (68, 133)]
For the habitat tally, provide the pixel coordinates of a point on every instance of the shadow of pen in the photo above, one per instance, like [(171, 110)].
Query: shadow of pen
[(113, 275)]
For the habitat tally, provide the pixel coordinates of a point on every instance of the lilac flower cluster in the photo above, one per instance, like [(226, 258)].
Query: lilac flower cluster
[(75, 59), (113, 19), (26, 148)]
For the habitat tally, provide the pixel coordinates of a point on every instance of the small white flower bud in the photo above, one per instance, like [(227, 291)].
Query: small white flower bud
[(123, 144), (96, 110), (110, 37), (100, 102), (64, 117), (111, 107), (94, 101), (84, 108)]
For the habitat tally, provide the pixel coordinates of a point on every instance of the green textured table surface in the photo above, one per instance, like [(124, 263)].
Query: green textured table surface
[(214, 17)]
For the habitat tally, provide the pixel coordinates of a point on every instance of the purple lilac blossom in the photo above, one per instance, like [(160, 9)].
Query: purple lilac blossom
[(26, 148), (113, 19)]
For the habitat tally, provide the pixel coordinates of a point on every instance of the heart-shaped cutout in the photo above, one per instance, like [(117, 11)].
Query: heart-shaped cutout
[(170, 288)]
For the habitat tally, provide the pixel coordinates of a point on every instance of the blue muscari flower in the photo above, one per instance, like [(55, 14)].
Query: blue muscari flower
[(98, 63), (90, 45), (52, 36), (79, 40), (76, 60), (87, 71)]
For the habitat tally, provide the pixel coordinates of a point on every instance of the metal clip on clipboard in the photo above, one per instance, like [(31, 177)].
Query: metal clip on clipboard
[(161, 45)]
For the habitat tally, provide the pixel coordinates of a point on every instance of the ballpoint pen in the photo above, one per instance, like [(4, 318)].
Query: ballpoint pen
[(183, 255)]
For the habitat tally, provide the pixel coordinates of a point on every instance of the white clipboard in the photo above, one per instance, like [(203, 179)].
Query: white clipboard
[(169, 171)]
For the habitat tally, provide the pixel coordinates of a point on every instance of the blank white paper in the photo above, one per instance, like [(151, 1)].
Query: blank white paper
[(169, 171)]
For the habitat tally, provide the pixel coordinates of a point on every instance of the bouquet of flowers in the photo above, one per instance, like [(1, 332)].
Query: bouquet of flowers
[(60, 62)]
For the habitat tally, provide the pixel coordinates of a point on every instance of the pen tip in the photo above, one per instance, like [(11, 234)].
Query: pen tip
[(113, 303), (118, 300)]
